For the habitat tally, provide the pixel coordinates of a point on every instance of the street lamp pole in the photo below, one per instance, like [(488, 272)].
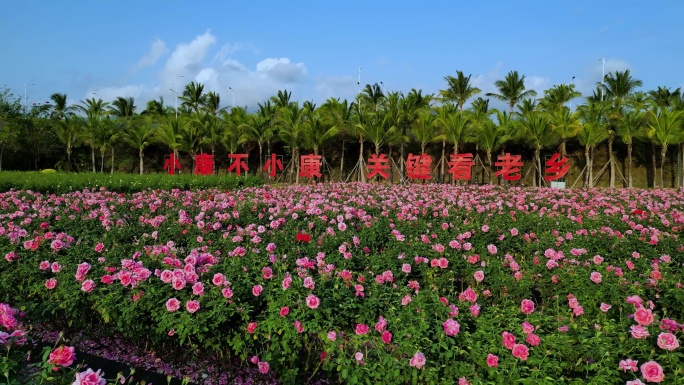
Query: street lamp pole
[(233, 92), (572, 83), (175, 87), (603, 75), (26, 94)]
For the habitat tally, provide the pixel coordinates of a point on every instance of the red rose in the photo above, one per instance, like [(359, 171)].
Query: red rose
[(303, 237)]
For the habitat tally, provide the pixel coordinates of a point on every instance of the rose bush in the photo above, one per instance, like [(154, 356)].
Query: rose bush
[(387, 284)]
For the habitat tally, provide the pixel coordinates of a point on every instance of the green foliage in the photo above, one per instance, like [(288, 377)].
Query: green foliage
[(51, 182)]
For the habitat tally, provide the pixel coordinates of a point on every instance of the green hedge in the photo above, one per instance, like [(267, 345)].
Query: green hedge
[(59, 182)]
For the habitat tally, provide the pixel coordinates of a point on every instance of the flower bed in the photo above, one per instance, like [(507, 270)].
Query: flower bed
[(365, 283)]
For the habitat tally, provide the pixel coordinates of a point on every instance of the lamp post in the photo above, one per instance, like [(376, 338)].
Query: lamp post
[(572, 83), (26, 94), (233, 91), (175, 87), (603, 75)]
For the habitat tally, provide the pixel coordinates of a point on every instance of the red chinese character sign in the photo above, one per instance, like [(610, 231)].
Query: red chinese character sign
[(556, 167), (171, 164), (238, 163), (273, 165), (460, 166), (204, 164), (418, 166), (377, 165), (510, 166), (310, 166)]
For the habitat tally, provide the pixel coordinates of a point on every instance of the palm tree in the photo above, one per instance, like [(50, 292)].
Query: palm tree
[(169, 134), (665, 128), (556, 96), (663, 97), (537, 131), (512, 89), (527, 106), (593, 132), (632, 125), (490, 137), (122, 107), (566, 124), (212, 103), (139, 136), (371, 97), (60, 110), (459, 89), (293, 133), (257, 129), (456, 128), (94, 111), (340, 115), (155, 108), (618, 85), (282, 99), (193, 96), (69, 132), (424, 129)]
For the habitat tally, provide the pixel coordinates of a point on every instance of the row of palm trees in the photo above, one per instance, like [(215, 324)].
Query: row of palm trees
[(616, 112)]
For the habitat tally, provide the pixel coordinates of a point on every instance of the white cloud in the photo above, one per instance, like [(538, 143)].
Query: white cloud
[(281, 70), (343, 87), (187, 58), (157, 50)]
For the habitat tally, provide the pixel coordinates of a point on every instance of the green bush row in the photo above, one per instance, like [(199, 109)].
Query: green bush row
[(61, 182)]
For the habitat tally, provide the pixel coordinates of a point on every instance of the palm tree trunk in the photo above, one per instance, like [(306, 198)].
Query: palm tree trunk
[(111, 171), (653, 163), (562, 148), (663, 152), (401, 161), (629, 164), (362, 175), (102, 156), (489, 163), (2, 150), (92, 155), (261, 158), (537, 159), (342, 159), (587, 158), (443, 160), (295, 152), (68, 157), (610, 159), (141, 160)]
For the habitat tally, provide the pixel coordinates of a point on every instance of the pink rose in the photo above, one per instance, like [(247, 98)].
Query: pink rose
[(643, 316), (227, 292), (312, 301), (192, 306), (417, 361), (298, 326), (89, 378), (468, 295), (638, 332), (475, 310), (595, 277), (172, 304), (87, 285), (251, 327), (652, 372), (405, 300), (386, 337), (533, 339), (605, 307), (406, 268), (479, 276), (51, 283), (361, 329), (491, 249), (634, 382), (527, 306), (256, 290), (198, 288), (492, 360), (62, 356), (99, 247), (218, 279), (332, 336), (527, 327), (629, 364), (667, 341), (381, 324), (521, 351), (263, 367), (508, 340), (451, 327)]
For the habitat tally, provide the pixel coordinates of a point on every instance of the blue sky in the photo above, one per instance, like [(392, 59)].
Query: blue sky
[(315, 48)]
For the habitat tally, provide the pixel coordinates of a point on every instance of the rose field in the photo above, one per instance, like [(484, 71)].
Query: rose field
[(348, 283)]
